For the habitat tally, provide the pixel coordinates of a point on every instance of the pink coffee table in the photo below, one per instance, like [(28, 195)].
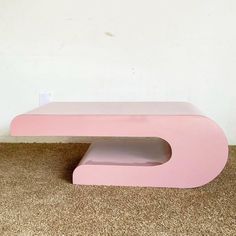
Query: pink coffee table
[(177, 146)]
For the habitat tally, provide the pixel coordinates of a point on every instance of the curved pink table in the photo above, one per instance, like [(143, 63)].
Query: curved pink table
[(190, 149)]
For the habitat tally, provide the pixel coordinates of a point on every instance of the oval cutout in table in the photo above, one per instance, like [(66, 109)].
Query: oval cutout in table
[(128, 152)]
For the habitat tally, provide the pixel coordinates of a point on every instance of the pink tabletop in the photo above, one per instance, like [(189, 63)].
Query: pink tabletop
[(116, 108)]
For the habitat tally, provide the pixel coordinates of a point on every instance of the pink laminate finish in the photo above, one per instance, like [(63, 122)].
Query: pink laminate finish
[(199, 147)]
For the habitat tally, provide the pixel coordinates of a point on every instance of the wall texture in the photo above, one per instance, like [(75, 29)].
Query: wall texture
[(127, 50)]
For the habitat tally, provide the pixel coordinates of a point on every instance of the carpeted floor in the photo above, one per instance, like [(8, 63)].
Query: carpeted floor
[(37, 198)]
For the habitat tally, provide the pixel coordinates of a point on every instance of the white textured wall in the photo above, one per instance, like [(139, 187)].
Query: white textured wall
[(124, 50)]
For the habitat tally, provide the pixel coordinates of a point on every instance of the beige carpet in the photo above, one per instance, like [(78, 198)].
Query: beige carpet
[(37, 198)]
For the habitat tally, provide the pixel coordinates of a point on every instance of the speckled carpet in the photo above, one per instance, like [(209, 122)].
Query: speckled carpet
[(37, 198)]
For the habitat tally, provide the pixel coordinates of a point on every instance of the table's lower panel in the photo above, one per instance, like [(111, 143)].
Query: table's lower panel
[(128, 153)]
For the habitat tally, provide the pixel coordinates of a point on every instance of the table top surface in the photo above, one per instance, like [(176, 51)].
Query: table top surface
[(116, 108)]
